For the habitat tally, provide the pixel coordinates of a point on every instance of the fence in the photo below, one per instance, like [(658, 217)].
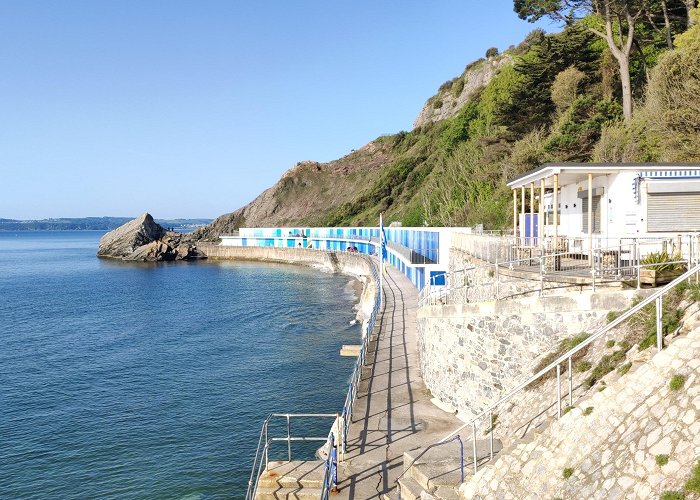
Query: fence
[(486, 415), (542, 272)]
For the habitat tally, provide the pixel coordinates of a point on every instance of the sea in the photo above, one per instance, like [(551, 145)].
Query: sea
[(149, 381)]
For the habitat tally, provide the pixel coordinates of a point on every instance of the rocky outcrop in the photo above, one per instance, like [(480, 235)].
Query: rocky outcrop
[(143, 239), (454, 93)]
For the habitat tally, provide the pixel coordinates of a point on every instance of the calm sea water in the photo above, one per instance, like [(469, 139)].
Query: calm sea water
[(151, 381)]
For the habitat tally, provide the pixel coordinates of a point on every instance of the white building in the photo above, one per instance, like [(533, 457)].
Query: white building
[(592, 203)]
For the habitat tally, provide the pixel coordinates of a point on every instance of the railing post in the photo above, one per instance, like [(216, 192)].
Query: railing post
[(474, 445), (498, 281), (490, 437), (267, 446), (637, 254), (571, 384), (558, 391), (541, 274), (289, 440), (659, 323)]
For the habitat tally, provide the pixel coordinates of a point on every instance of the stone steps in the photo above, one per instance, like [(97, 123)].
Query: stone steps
[(295, 480), (435, 471)]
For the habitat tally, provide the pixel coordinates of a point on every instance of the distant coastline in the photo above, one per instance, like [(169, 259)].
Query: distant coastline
[(93, 224)]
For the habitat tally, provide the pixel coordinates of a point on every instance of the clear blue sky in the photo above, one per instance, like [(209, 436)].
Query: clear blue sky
[(192, 108)]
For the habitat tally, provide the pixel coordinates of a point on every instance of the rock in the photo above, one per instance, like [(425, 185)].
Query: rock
[(142, 239)]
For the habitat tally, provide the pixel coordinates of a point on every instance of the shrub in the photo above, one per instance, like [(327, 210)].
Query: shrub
[(663, 261), (587, 411), (610, 343), (612, 316), (491, 52), (677, 382), (661, 460), (565, 87), (583, 366), (566, 409), (568, 472), (457, 87)]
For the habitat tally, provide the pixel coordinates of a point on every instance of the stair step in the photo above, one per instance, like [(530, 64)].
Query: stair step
[(410, 489), (447, 493), (288, 493), (294, 474)]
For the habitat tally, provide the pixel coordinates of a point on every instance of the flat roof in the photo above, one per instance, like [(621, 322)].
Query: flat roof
[(575, 172)]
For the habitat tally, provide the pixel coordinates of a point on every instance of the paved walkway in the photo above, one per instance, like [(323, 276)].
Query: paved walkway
[(393, 412)]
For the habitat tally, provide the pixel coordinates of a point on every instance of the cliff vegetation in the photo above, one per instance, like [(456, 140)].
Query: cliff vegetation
[(620, 84)]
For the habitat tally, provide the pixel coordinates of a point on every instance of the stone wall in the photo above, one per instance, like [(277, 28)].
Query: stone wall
[(472, 353), (610, 442)]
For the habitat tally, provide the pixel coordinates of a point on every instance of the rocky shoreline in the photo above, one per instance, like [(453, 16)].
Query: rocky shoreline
[(144, 240)]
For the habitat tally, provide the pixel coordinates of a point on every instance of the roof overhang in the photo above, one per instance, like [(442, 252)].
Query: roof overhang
[(573, 173)]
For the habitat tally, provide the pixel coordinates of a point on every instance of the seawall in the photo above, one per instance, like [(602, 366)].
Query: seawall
[(355, 265)]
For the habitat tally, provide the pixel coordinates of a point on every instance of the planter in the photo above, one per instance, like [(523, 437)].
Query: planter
[(654, 278)]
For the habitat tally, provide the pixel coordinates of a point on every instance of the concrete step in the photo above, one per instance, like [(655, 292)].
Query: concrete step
[(294, 474), (409, 488), (288, 493), (447, 493), (439, 465)]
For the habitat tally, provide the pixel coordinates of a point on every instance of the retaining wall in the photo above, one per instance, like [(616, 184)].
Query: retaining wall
[(472, 353)]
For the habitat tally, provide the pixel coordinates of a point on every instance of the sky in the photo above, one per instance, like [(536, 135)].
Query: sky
[(190, 109)]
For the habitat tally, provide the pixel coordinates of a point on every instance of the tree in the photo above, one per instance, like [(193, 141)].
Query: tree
[(492, 52), (616, 26)]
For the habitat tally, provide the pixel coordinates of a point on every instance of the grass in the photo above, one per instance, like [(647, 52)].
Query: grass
[(624, 368), (566, 409), (587, 411), (564, 346), (583, 366), (672, 495), (494, 422), (567, 473), (677, 382), (610, 343), (661, 460), (693, 484), (607, 364)]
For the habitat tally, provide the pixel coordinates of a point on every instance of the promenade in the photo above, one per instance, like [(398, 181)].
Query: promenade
[(393, 412)]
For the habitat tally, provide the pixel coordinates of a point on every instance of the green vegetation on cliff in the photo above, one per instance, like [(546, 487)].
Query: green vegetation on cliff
[(553, 98)]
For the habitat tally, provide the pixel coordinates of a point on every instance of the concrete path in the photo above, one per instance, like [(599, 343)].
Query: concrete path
[(393, 412)]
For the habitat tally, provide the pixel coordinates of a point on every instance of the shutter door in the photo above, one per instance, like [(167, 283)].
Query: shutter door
[(673, 212), (595, 214)]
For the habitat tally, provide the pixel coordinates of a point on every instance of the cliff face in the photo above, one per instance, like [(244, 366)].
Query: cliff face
[(454, 93), (306, 193)]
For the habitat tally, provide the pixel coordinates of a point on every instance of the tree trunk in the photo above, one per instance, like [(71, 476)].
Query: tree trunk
[(667, 23), (624, 62)]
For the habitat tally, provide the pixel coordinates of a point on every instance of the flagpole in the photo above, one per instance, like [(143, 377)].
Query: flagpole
[(381, 261)]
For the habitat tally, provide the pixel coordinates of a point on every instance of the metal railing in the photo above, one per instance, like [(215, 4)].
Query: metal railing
[(336, 441), (656, 298), (262, 454), (554, 271), (495, 248), (354, 384)]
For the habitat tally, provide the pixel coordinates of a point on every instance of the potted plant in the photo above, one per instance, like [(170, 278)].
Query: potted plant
[(659, 268)]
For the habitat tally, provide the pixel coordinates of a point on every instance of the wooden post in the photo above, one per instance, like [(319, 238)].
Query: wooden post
[(522, 201), (515, 214), (541, 223), (590, 219), (532, 214), (556, 211)]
